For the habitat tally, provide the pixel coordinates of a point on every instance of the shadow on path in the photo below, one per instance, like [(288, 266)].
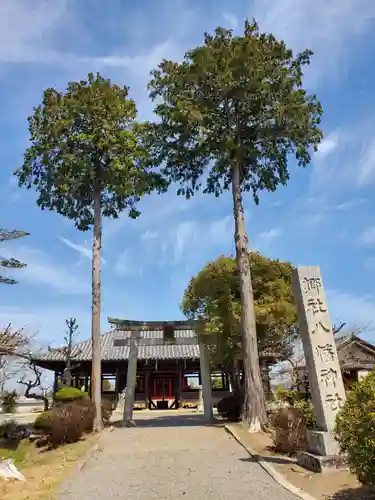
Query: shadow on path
[(270, 460), (361, 493), (174, 421)]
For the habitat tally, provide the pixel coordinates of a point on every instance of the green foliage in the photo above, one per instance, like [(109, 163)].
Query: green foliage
[(11, 263), (216, 383), (289, 430), (308, 412), (70, 421), (69, 394), (66, 422), (19, 453), (43, 422), (9, 402), (230, 407), (355, 429), (86, 140), (107, 385), (213, 296), (234, 100)]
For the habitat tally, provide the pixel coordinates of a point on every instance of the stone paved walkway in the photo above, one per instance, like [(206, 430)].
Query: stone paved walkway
[(168, 458)]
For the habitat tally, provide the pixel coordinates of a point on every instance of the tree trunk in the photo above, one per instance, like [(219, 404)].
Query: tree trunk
[(39, 397), (68, 363), (67, 376), (254, 411), (235, 378), (95, 316)]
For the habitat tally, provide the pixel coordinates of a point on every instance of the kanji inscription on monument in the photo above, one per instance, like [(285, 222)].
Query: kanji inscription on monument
[(326, 384)]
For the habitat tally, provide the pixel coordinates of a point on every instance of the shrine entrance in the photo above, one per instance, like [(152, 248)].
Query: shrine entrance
[(163, 392)]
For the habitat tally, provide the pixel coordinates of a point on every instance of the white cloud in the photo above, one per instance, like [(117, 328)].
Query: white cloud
[(185, 235), (149, 235), (40, 270), (231, 19), (140, 65), (327, 146), (26, 29), (332, 29), (270, 234), (347, 160), (127, 265), (357, 311), (346, 205), (366, 174), (222, 230), (83, 251), (46, 324), (367, 238)]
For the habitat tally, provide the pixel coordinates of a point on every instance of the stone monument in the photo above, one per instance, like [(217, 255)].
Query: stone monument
[(324, 373)]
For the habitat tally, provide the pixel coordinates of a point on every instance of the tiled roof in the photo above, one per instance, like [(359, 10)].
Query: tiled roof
[(151, 346)]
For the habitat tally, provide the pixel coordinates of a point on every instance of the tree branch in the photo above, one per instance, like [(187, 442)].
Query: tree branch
[(32, 384)]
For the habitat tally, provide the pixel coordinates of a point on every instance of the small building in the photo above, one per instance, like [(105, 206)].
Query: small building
[(356, 359), (168, 365)]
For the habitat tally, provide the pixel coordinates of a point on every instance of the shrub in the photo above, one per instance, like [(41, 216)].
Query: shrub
[(308, 412), (43, 422), (70, 421), (290, 430), (67, 394), (11, 431), (9, 402), (355, 429), (66, 425), (87, 413), (230, 407), (66, 422)]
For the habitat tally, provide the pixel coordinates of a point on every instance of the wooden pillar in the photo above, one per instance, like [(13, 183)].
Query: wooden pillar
[(118, 381), (55, 382), (131, 380), (178, 386), (266, 380), (147, 389), (206, 380)]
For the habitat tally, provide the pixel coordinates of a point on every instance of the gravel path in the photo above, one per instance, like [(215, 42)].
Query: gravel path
[(169, 458)]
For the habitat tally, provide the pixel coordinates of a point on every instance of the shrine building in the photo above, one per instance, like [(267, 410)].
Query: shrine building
[(168, 364)]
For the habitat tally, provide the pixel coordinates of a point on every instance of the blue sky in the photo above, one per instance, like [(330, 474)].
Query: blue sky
[(325, 216)]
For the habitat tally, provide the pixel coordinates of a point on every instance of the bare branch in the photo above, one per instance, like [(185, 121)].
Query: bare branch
[(33, 384), (337, 329), (11, 340)]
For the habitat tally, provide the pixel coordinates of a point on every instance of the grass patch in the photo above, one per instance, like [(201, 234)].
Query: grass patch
[(43, 470), (19, 455)]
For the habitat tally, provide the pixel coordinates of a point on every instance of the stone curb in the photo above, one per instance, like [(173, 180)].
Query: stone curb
[(81, 463), (89, 454), (276, 476)]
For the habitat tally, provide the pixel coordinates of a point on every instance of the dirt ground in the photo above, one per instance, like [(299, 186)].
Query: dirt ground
[(44, 471), (335, 485)]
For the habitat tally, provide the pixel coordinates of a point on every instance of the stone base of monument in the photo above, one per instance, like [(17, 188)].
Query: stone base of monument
[(318, 463), (324, 453)]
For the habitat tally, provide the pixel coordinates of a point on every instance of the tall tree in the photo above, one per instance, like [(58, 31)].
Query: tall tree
[(71, 333), (231, 115), (70, 353), (213, 296), (86, 161), (11, 263)]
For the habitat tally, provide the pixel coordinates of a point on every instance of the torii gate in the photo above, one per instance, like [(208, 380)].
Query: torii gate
[(135, 328)]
